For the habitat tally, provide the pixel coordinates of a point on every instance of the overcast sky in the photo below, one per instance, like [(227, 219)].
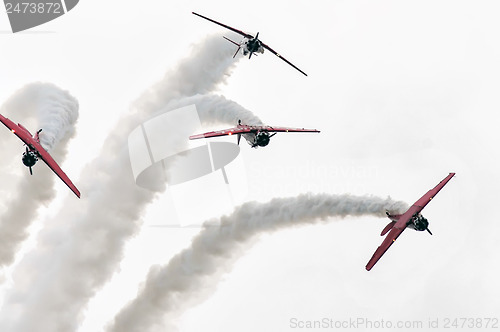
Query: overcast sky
[(403, 93)]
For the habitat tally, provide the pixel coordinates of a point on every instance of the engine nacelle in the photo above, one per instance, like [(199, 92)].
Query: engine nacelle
[(419, 223), (29, 158), (262, 138)]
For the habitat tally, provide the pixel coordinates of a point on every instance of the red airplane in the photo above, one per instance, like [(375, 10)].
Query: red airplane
[(250, 43), (34, 150), (410, 219), (255, 135)]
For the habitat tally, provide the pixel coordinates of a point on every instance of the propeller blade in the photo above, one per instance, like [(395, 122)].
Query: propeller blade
[(239, 137), (250, 56), (31, 171), (257, 35), (272, 135), (428, 230), (27, 149)]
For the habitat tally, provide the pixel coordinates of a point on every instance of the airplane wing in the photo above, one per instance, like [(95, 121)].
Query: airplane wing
[(246, 35), (250, 129), (282, 58), (47, 158), (26, 137), (226, 132), (424, 200), (400, 225), (21, 132), (287, 130), (388, 241)]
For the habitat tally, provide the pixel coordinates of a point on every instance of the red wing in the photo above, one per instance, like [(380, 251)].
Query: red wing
[(47, 158), (282, 58), (287, 130), (388, 241), (21, 132), (424, 200), (246, 35), (226, 132), (419, 205), (243, 129)]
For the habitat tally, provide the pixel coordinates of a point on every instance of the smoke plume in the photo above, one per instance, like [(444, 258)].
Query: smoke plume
[(169, 288), (83, 244), (45, 106)]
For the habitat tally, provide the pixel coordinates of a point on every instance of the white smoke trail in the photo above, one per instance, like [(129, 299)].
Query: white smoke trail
[(55, 111), (202, 72), (216, 109), (83, 245), (169, 288)]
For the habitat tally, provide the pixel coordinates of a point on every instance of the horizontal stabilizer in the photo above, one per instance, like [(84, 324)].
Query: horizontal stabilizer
[(388, 228), (232, 41)]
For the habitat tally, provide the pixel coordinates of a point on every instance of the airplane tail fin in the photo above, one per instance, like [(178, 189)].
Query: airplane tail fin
[(37, 135), (393, 217)]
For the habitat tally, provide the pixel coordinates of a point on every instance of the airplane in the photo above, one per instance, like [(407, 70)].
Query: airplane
[(410, 219), (34, 151), (250, 44), (255, 135)]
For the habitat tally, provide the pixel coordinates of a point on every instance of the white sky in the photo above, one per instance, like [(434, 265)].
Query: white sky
[(403, 92)]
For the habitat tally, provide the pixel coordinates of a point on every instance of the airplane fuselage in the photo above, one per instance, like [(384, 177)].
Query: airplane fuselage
[(29, 158), (418, 223), (251, 46), (257, 138)]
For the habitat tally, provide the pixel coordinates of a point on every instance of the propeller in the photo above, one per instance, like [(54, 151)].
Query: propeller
[(27, 151)]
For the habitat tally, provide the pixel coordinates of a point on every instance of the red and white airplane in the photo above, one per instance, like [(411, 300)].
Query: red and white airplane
[(255, 135), (410, 219), (250, 44), (34, 150)]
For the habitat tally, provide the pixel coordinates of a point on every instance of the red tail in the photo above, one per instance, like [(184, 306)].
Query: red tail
[(37, 136)]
